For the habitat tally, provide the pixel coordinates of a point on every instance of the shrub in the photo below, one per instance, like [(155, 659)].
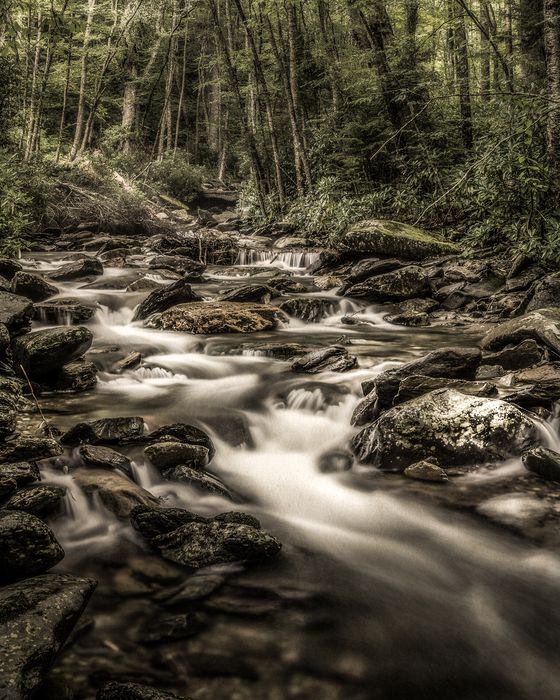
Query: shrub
[(177, 177)]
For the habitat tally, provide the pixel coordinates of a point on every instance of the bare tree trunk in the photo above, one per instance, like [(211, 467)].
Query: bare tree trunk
[(462, 65), (552, 47), (64, 100), (484, 50), (79, 129)]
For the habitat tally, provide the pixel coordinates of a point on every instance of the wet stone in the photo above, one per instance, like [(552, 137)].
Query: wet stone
[(42, 500), (105, 458)]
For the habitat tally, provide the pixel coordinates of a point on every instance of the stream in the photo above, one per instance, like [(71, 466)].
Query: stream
[(376, 595)]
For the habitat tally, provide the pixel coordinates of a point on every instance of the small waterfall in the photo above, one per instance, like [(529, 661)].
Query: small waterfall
[(291, 260)]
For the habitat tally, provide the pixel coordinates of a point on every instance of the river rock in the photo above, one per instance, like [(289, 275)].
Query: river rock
[(418, 385), (160, 300), (427, 471), (446, 425), (197, 479), (392, 238), (406, 283), (8, 268), (107, 431), (334, 359), (257, 293), (526, 354), (336, 461), (536, 385), (308, 309), (42, 500), (22, 473), (36, 618), (27, 448), (42, 352), (32, 286), (117, 493), (77, 376), (182, 432), (64, 311), (8, 412), (88, 267), (16, 312), (169, 454), (190, 269), (27, 545), (541, 326), (131, 361), (201, 544), (134, 691), (217, 317), (364, 269), (151, 522), (105, 458), (8, 487), (543, 462)]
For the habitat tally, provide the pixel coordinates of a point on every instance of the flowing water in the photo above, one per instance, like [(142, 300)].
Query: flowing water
[(375, 595)]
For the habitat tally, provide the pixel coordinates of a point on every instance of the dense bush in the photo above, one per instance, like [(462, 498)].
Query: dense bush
[(177, 177)]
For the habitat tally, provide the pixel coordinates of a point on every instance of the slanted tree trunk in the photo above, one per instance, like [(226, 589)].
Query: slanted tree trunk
[(80, 117)]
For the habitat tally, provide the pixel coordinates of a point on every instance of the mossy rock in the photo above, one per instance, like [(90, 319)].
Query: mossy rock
[(395, 239)]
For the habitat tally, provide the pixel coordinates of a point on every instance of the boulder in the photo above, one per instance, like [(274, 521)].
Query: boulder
[(151, 522), (392, 238), (545, 292), (164, 298), (182, 432), (77, 376), (526, 354), (201, 544), (42, 500), (27, 545), (333, 359), (364, 269), (190, 269), (105, 458), (406, 283), (65, 311), (133, 691), (42, 352), (426, 471), (106, 431), (26, 448), (22, 473), (164, 455), (217, 317), (8, 487), (257, 293), (36, 617), (8, 268), (543, 462), (32, 286), (16, 312), (8, 413), (118, 494), (536, 386), (418, 385), (451, 427), (88, 267), (541, 325)]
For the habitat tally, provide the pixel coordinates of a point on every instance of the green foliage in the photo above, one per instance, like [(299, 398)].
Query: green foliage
[(177, 177)]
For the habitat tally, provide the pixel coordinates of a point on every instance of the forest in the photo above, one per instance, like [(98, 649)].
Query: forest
[(279, 349), (441, 113)]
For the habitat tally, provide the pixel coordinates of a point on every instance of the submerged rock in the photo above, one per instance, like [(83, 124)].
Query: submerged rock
[(446, 425), (406, 283), (32, 286), (308, 309), (217, 317), (391, 238), (160, 300), (134, 691), (42, 352), (27, 545), (64, 311), (543, 462), (334, 359), (88, 267), (118, 494), (36, 618), (16, 312), (541, 326), (105, 431)]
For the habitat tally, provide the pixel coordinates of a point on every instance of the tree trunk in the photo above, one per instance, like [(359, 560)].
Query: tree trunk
[(531, 40), (552, 47), (79, 129), (462, 69)]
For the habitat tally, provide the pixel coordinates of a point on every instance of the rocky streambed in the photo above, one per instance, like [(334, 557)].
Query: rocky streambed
[(233, 466)]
